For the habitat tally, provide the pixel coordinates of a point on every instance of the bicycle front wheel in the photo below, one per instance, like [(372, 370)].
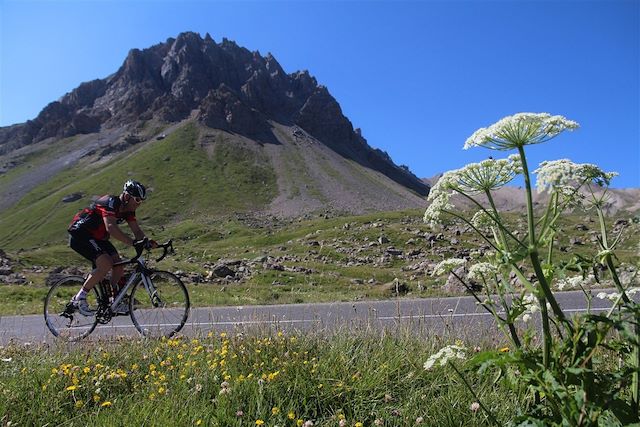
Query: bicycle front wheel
[(61, 318), (161, 308)]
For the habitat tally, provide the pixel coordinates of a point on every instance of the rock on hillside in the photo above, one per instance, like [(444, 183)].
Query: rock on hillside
[(223, 85)]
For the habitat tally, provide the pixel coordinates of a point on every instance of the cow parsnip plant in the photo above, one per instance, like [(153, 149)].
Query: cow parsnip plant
[(565, 376)]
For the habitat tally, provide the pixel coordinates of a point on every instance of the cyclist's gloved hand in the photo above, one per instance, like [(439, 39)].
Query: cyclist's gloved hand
[(150, 244), (141, 244)]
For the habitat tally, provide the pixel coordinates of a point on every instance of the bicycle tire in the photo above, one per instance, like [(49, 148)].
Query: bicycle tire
[(164, 313), (62, 321)]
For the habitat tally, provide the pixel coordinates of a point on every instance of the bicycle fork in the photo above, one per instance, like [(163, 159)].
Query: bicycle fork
[(152, 291)]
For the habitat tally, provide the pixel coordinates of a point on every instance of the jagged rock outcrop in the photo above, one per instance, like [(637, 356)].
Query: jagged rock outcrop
[(223, 85)]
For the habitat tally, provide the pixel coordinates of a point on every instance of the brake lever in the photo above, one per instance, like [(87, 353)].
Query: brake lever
[(168, 248)]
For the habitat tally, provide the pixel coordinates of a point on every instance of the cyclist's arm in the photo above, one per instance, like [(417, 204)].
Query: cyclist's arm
[(137, 231), (111, 224)]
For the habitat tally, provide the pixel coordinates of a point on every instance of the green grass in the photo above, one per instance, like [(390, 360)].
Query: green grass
[(278, 378)]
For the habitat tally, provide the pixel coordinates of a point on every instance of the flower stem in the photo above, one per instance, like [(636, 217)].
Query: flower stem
[(492, 419)]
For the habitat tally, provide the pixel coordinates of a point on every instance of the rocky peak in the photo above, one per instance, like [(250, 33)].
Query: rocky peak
[(229, 86)]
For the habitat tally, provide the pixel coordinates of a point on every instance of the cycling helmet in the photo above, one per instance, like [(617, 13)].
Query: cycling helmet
[(135, 189)]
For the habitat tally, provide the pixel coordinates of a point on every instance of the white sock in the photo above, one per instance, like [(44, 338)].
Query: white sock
[(82, 294)]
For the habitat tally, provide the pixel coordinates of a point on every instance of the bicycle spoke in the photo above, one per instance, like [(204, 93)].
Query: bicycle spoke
[(162, 312), (61, 319)]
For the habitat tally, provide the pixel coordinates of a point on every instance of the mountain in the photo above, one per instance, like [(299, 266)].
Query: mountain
[(227, 86), (226, 129)]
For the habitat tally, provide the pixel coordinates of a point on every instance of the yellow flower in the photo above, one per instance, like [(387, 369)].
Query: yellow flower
[(300, 422), (259, 422), (291, 415), (504, 350), (198, 422), (96, 398), (72, 387), (358, 424), (79, 404), (105, 404), (86, 370), (275, 410)]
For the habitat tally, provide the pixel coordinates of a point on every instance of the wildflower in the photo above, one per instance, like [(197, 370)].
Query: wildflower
[(198, 422), (612, 296), (79, 404), (447, 266), (504, 350), (291, 415), (519, 130), (342, 423), (308, 423), (419, 420), (105, 404), (482, 220), (445, 355), (259, 422), (564, 173), (275, 410), (474, 407), (481, 271), (239, 414), (72, 388), (358, 424), (299, 423), (378, 422)]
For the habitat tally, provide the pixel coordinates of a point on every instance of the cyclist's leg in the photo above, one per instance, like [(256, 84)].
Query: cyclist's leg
[(95, 251), (118, 271)]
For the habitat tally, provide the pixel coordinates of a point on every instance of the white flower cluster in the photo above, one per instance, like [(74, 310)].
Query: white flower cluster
[(575, 282), (487, 175), (482, 271), (446, 354), (615, 295), (519, 130), (446, 266), (482, 220), (564, 174), (532, 306)]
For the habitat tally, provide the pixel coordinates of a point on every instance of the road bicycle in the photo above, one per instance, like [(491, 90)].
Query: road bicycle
[(158, 302)]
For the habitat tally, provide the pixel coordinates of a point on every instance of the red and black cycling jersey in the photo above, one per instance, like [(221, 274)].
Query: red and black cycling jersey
[(91, 219)]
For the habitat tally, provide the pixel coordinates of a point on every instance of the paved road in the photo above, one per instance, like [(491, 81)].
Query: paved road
[(457, 315)]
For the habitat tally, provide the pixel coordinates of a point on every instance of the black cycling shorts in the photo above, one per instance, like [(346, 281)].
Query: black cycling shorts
[(89, 247)]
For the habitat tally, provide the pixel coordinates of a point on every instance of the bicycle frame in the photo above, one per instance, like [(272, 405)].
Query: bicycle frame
[(142, 273)]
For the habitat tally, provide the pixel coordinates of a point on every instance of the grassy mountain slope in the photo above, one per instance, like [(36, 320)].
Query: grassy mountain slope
[(185, 182)]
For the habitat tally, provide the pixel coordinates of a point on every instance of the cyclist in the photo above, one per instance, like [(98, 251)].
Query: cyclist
[(89, 236)]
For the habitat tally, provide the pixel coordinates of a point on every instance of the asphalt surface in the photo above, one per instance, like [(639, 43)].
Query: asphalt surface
[(460, 316)]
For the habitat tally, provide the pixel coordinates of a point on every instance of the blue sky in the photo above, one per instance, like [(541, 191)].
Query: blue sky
[(418, 77)]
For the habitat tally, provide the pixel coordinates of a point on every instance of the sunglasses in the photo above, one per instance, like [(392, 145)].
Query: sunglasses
[(137, 199)]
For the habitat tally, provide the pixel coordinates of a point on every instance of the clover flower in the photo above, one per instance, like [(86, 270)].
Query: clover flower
[(481, 271), (564, 173), (446, 354), (447, 265), (519, 130)]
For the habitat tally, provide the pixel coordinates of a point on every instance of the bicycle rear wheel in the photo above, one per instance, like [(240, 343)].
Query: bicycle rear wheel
[(161, 310), (61, 318)]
